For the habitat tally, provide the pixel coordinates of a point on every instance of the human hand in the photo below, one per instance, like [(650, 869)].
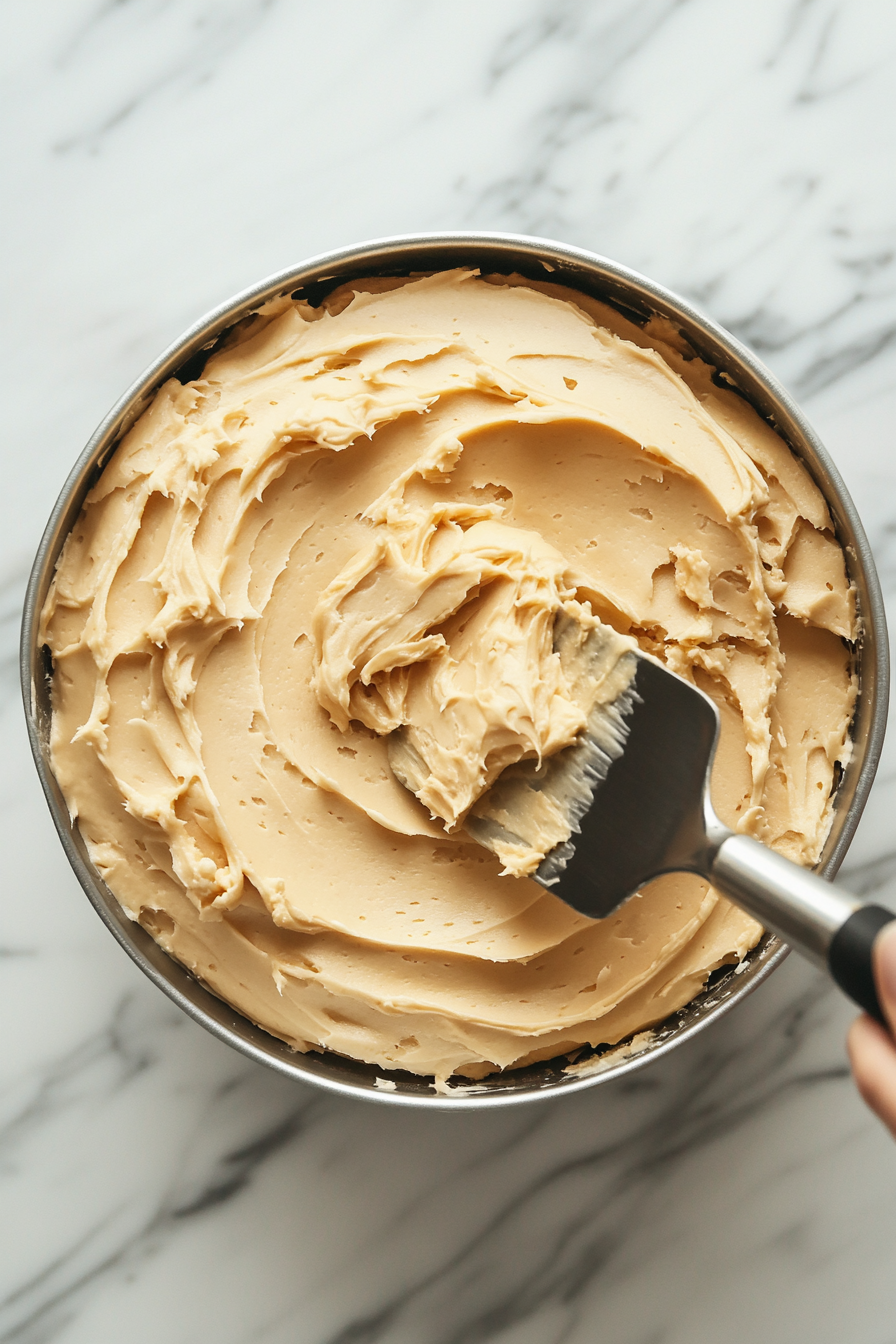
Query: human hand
[(872, 1050)]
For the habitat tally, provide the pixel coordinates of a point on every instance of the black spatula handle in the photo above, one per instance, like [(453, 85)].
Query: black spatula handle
[(826, 923), (849, 957)]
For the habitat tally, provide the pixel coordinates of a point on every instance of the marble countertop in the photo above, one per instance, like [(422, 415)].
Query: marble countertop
[(160, 155)]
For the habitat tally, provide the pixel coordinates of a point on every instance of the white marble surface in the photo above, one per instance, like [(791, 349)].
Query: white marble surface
[(159, 155)]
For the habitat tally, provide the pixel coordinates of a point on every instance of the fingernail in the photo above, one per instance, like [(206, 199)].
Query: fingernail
[(885, 968)]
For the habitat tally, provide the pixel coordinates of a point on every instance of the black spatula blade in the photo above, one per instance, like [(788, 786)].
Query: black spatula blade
[(647, 815)]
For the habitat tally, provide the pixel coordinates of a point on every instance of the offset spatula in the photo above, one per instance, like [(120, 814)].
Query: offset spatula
[(640, 806)]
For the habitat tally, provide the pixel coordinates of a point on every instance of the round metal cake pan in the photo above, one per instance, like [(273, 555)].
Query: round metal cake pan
[(638, 299)]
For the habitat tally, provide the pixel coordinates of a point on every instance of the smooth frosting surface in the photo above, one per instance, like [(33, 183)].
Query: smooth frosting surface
[(242, 613)]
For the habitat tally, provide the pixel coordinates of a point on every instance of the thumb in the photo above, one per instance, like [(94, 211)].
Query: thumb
[(884, 959)]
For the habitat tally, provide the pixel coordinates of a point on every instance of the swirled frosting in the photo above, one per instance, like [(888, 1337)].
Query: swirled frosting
[(364, 519)]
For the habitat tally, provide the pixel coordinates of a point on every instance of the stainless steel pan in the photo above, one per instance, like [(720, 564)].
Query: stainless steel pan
[(638, 298)]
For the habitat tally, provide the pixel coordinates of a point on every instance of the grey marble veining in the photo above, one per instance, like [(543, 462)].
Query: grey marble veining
[(160, 154)]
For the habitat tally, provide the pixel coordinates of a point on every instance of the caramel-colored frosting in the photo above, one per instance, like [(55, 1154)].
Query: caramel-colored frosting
[(461, 638), (359, 528)]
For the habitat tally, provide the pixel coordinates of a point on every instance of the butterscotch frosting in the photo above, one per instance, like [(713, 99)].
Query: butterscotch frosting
[(341, 559), (461, 639)]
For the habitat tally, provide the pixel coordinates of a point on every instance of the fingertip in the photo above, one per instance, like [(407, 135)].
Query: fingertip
[(884, 957), (872, 1056)]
